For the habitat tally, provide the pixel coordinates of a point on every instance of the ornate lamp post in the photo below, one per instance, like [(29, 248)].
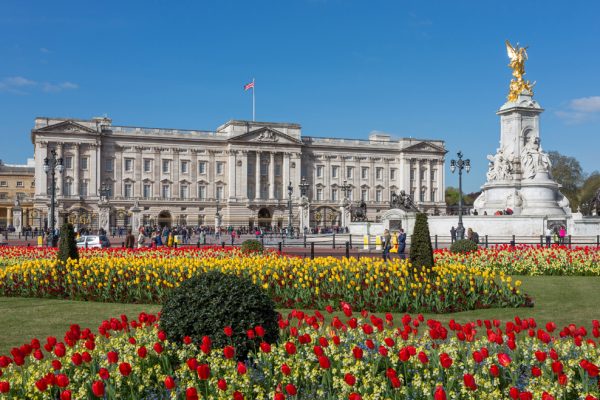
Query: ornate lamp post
[(466, 165), (51, 165), (104, 192), (303, 186), (344, 209), (290, 189)]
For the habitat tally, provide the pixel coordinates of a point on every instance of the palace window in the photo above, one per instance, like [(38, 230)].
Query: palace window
[(379, 195), (4, 184), (185, 167), (379, 173), (319, 171), (393, 174), (334, 194), (219, 192), (68, 162), (166, 191), (183, 192), (364, 194), (433, 174), (147, 165), (109, 164), (412, 174), (202, 167), (202, 192), (84, 163), (68, 188), (83, 188), (349, 172), (20, 184), (334, 171), (166, 166), (277, 169), (423, 171), (364, 172), (319, 194), (128, 190), (3, 195), (128, 164), (422, 195), (432, 195), (220, 167), (147, 190)]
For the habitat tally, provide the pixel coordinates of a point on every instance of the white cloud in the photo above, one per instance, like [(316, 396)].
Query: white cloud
[(45, 50), (19, 84), (581, 110), (57, 87)]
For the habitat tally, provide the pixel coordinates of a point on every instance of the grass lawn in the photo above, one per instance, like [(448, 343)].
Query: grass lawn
[(563, 300)]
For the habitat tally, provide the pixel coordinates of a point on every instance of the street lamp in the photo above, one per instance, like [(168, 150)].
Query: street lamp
[(290, 191), (466, 165), (51, 165), (104, 192)]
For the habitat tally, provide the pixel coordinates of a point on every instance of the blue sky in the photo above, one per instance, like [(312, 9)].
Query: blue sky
[(426, 69)]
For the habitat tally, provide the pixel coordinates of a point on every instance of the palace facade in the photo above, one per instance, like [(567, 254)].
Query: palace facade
[(241, 171)]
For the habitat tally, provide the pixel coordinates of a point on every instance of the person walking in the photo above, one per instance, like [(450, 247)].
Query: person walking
[(129, 240), (141, 238), (453, 234), (402, 244), (387, 244), (548, 236)]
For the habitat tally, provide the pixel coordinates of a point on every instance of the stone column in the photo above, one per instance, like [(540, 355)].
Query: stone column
[(403, 183), (41, 178), (271, 175), (157, 167), (175, 173), (75, 165), (327, 180), (427, 180), (137, 172), (93, 186), (194, 174), (419, 183), (297, 174), (257, 177), (244, 175), (231, 168), (98, 169), (59, 177), (441, 181), (9, 216), (286, 172), (386, 180), (372, 180), (210, 173)]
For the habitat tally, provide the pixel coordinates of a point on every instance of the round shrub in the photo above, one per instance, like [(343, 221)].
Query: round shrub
[(463, 246), (67, 246), (252, 246), (207, 303)]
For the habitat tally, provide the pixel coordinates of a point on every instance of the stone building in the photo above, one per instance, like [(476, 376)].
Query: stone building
[(16, 183), (241, 170)]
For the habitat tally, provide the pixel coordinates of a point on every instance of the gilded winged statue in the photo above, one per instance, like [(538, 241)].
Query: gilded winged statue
[(517, 56)]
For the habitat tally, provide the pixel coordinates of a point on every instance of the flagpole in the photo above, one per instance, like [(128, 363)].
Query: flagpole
[(253, 103)]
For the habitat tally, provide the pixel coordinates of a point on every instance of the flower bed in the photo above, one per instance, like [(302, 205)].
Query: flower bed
[(147, 276), (529, 260), (354, 357)]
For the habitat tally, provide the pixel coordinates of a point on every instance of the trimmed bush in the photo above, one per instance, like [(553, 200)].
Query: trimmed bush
[(205, 304), (463, 246), (67, 247), (252, 246), (421, 251)]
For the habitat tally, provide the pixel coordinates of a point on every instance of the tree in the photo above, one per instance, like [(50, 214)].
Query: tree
[(452, 197), (588, 192), (421, 251), (67, 247), (568, 172)]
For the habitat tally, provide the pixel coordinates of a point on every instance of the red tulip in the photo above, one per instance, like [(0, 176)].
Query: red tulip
[(222, 384), (142, 352), (191, 393), (350, 379), (228, 352), (228, 331), (536, 372), (62, 380), (260, 331), (290, 389), (65, 395), (494, 370), (445, 360), (324, 362), (125, 369), (241, 368), (290, 348), (439, 394), (285, 370), (354, 396), (238, 396), (203, 371), (103, 373), (41, 385), (504, 359), (98, 388), (112, 357), (169, 382), (4, 387), (469, 381), (358, 352)]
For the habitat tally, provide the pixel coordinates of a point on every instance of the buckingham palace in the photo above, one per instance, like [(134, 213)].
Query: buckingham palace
[(240, 174)]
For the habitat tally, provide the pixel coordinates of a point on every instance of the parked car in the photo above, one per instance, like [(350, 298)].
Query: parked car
[(93, 241)]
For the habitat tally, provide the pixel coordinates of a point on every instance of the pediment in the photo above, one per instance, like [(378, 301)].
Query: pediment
[(67, 127), (426, 147), (265, 135)]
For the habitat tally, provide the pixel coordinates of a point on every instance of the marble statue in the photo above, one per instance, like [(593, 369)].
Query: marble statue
[(103, 220), (499, 167), (534, 159)]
